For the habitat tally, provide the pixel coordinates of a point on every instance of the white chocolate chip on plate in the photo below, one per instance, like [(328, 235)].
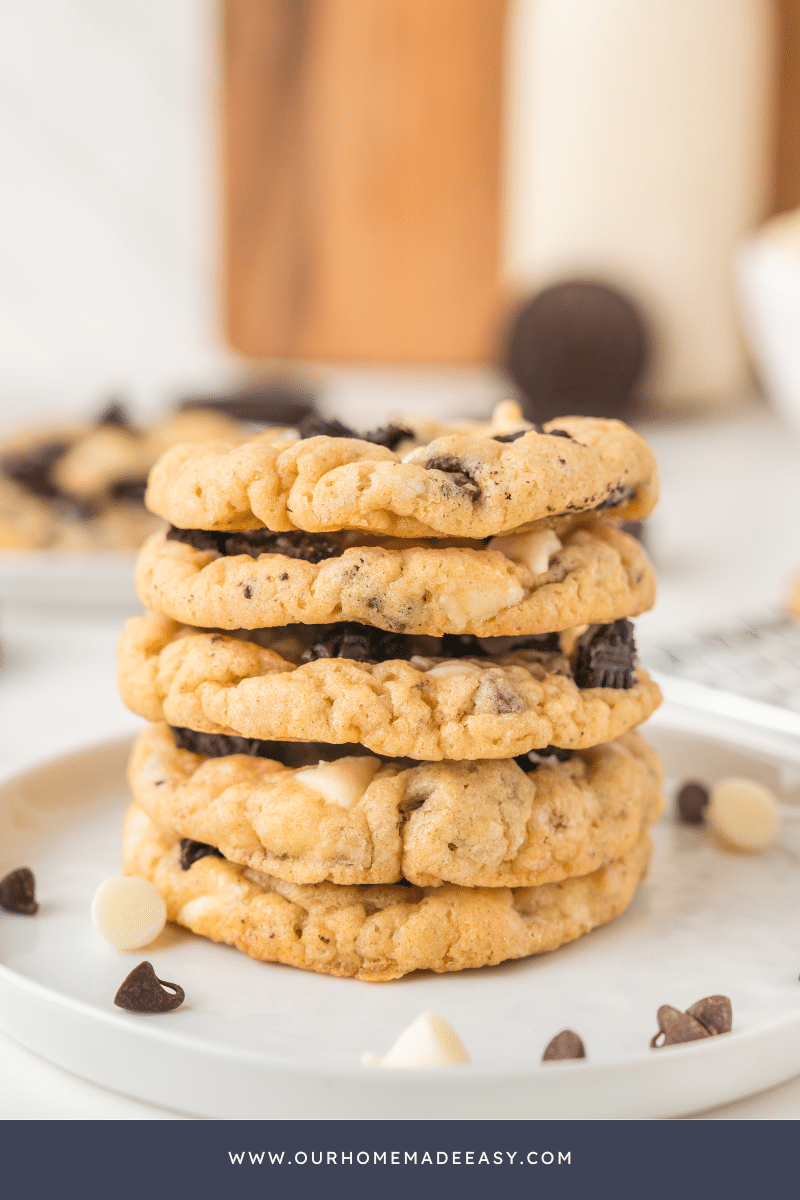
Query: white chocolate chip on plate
[(427, 1042), (533, 549), (341, 782), (128, 912), (744, 814)]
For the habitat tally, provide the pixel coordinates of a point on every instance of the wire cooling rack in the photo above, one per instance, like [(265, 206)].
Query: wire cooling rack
[(749, 670)]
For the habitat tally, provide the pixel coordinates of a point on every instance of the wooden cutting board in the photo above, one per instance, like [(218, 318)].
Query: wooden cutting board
[(362, 178)]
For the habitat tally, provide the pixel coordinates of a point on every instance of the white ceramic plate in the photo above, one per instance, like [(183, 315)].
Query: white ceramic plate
[(103, 579), (266, 1041)]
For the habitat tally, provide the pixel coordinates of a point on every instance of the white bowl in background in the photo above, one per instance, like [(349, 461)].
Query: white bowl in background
[(768, 274)]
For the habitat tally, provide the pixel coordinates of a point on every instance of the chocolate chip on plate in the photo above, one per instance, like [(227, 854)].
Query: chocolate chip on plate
[(192, 851), (143, 992), (691, 803), (18, 892), (577, 347), (566, 1044), (706, 1018), (458, 473), (606, 657)]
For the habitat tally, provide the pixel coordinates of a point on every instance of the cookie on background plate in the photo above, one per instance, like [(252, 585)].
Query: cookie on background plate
[(528, 584), (424, 708), (374, 932), (369, 820)]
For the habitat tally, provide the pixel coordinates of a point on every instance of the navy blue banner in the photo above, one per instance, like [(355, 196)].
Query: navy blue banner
[(134, 1160)]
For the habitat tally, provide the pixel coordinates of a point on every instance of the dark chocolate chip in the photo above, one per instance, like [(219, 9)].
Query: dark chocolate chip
[(577, 347), (18, 892), (271, 402), (534, 758), (676, 1026), (130, 489), (566, 1044), (316, 426), (143, 992), (389, 436), (459, 476), (606, 657), (114, 415), (192, 851), (714, 1013), (32, 469), (691, 803)]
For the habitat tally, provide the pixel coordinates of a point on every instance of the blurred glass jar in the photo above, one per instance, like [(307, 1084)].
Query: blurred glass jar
[(640, 154)]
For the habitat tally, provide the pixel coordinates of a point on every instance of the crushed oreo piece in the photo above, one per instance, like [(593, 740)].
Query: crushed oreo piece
[(114, 415), (564, 1045), (191, 852), (606, 657), (533, 759), (311, 547), (362, 643), (560, 433), (691, 803), (71, 508), (18, 892), (32, 468), (143, 992), (315, 425), (460, 477), (617, 496), (206, 540), (131, 489), (708, 1017), (389, 436), (291, 754), (269, 402)]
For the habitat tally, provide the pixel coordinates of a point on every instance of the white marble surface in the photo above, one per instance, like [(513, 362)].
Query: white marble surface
[(725, 543)]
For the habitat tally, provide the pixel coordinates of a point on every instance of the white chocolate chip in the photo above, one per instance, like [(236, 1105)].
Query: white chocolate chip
[(507, 417), (463, 607), (743, 813), (427, 1042), (533, 549), (453, 667), (128, 912), (342, 782)]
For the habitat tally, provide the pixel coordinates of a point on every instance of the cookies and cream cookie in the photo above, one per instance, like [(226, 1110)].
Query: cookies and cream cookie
[(354, 688), (472, 481), (373, 932), (359, 820), (525, 584)]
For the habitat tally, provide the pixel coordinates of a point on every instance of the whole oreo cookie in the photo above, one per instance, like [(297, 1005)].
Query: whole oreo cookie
[(578, 347)]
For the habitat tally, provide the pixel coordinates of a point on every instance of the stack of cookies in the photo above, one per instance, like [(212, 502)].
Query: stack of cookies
[(392, 685)]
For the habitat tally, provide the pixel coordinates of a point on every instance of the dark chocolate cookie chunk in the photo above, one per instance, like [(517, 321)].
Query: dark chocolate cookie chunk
[(534, 758), (362, 643), (578, 347), (191, 852), (315, 425), (606, 657), (130, 490), (389, 436), (143, 992), (459, 476), (32, 469), (271, 402), (18, 892)]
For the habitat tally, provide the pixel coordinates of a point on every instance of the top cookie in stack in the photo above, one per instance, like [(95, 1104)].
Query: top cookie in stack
[(422, 593)]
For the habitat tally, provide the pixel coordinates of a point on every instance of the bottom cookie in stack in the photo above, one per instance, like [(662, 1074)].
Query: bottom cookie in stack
[(373, 868)]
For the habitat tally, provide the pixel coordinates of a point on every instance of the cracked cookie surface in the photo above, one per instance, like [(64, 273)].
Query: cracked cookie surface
[(474, 482), (374, 932), (467, 708), (486, 824), (596, 575)]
